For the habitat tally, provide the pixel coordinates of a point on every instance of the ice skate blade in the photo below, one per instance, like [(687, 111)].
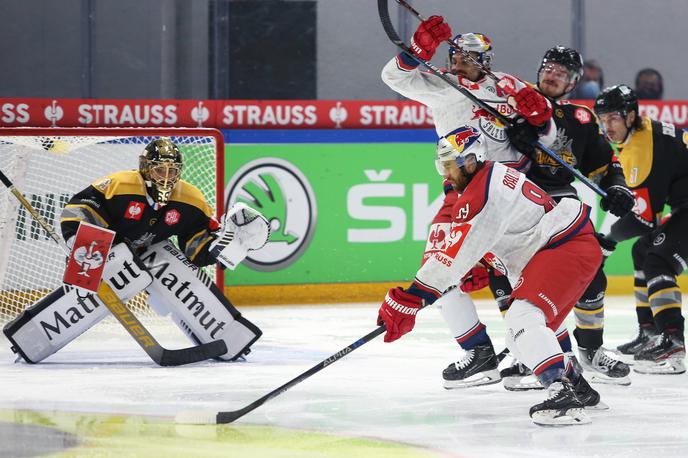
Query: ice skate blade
[(595, 378), (482, 378), (571, 417), (671, 366), (527, 383)]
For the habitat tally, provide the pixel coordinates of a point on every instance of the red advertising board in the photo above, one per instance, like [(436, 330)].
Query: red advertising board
[(248, 114)]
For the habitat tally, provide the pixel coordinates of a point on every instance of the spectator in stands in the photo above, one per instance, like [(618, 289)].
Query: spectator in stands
[(649, 84), (591, 83)]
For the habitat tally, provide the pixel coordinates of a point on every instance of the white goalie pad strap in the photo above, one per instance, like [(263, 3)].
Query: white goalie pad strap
[(53, 322), (243, 229), (196, 304), (123, 273)]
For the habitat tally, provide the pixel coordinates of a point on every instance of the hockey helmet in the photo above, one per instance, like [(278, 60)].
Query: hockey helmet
[(161, 167), (568, 57), (619, 98), (474, 42), (458, 145)]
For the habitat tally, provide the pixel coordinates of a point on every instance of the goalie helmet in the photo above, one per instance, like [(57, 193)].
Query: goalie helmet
[(619, 98), (474, 42), (458, 145), (568, 57), (161, 167)]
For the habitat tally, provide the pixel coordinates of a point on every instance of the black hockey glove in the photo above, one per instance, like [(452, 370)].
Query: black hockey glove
[(606, 244), (522, 135), (619, 200)]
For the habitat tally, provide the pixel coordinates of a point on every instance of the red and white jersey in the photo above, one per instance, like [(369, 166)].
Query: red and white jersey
[(504, 219), (451, 109)]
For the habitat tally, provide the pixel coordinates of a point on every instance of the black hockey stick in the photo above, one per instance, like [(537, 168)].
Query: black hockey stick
[(205, 417), (383, 11), (127, 319)]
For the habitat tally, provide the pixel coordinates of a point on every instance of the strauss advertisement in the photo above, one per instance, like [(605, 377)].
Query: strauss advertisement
[(248, 114)]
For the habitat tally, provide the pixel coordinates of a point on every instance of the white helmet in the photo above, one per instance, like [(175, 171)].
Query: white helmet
[(474, 42), (458, 145)]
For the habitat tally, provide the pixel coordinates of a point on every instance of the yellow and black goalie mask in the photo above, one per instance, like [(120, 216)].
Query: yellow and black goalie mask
[(161, 167)]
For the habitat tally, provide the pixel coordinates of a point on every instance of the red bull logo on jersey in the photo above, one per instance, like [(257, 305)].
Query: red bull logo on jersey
[(463, 137)]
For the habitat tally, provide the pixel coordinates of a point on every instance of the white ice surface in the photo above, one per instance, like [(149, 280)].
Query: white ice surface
[(389, 391)]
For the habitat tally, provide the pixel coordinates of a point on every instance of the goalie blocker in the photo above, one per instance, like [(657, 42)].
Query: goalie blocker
[(175, 285)]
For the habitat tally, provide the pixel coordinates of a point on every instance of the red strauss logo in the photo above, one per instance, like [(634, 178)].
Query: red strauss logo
[(134, 211), (172, 217)]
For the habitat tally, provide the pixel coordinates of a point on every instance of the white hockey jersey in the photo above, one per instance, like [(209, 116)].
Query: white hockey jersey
[(451, 109), (503, 218)]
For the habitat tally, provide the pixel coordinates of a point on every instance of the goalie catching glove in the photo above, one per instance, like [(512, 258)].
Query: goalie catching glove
[(243, 229)]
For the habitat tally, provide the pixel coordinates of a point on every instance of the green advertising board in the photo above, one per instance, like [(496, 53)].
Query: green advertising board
[(347, 212)]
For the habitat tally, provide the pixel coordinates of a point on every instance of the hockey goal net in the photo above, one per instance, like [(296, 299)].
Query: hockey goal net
[(49, 165)]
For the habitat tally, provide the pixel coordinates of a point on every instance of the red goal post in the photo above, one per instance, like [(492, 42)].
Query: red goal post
[(49, 165)]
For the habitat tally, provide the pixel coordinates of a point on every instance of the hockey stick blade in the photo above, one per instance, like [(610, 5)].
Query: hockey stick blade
[(201, 417), (126, 318), (181, 356), (383, 11)]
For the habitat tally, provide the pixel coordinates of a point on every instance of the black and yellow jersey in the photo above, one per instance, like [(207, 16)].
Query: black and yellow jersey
[(655, 162), (580, 144), (119, 202)]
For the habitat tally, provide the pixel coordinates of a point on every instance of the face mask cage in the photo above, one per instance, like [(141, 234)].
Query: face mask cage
[(163, 176)]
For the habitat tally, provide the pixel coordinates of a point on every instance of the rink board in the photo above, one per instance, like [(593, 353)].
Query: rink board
[(373, 195)]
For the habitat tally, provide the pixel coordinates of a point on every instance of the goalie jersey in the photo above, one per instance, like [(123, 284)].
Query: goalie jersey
[(504, 219), (450, 108), (120, 203)]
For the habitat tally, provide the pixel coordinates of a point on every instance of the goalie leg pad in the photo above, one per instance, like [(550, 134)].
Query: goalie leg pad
[(198, 307), (53, 322), (125, 273)]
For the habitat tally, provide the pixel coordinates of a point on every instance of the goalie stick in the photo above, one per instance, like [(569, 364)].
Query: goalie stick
[(160, 355), (205, 417), (383, 11)]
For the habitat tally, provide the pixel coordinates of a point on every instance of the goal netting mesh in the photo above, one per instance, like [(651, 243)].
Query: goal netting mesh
[(50, 165)]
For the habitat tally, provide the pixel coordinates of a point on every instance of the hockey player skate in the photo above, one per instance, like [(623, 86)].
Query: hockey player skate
[(664, 354), (477, 367), (629, 349), (561, 408), (588, 396), (518, 377), (602, 368)]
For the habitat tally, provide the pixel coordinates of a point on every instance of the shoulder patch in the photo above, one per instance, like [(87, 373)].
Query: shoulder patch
[(685, 138), (583, 115), (668, 129), (102, 185), (125, 182)]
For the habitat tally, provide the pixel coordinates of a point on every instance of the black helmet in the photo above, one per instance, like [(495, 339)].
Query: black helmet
[(161, 167), (619, 98), (568, 57)]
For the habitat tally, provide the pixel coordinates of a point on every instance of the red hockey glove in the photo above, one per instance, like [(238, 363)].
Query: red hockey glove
[(476, 279), (430, 33), (398, 312), (532, 105)]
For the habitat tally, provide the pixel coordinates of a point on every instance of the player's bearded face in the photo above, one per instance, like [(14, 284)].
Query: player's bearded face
[(455, 175), (615, 126), (461, 66), (554, 80)]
